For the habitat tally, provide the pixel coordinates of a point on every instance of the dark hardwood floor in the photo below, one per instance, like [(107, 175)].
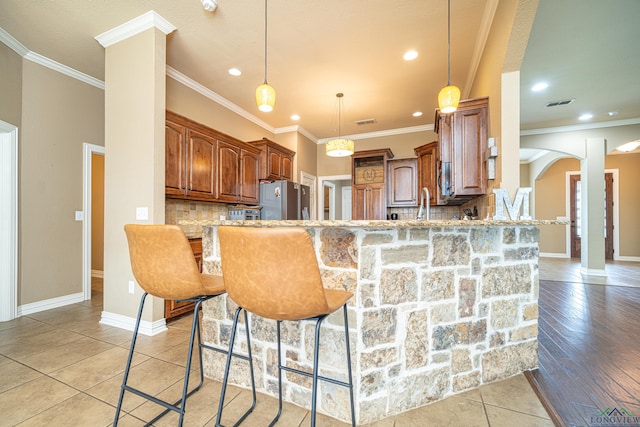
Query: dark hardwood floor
[(589, 348)]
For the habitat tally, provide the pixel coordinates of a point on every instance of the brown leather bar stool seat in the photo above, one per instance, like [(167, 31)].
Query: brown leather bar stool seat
[(164, 266), (274, 273)]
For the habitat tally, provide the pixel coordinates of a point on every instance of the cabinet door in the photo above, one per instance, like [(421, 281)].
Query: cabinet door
[(469, 139), (428, 172), (274, 163), (287, 167), (368, 202), (174, 163), (201, 165), (250, 164), (402, 182), (228, 172)]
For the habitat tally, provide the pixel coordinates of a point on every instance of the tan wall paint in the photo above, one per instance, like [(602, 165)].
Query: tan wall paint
[(134, 164), (197, 107), (59, 114), (97, 212), (307, 156), (550, 202), (10, 86)]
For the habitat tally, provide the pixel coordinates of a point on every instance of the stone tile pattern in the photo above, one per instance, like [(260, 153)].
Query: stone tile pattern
[(437, 311)]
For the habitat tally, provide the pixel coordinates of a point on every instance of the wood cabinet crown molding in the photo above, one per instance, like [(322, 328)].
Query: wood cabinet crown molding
[(276, 161)]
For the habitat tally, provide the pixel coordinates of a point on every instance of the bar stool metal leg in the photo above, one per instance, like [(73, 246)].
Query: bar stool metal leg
[(249, 358)]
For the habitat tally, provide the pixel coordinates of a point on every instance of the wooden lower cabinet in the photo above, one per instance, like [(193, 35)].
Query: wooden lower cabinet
[(369, 202), (173, 308)]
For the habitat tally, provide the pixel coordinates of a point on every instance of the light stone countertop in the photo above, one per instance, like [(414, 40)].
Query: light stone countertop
[(374, 224)]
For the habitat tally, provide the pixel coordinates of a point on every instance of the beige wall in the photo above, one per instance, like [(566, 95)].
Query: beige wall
[(97, 212), (10, 86), (59, 114), (550, 201), (306, 156)]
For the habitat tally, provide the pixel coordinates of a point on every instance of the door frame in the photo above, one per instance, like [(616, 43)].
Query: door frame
[(88, 150), (321, 181), (8, 221), (310, 180), (616, 211)]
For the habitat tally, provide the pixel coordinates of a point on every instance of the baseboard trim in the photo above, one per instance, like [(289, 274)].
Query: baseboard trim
[(627, 258), (553, 255), (129, 323), (48, 304)]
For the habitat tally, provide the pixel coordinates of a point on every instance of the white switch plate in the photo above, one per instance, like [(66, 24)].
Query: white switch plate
[(79, 215), (142, 214), (131, 286)]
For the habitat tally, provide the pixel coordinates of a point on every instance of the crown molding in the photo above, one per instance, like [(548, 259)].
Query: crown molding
[(299, 129), (586, 126), (61, 68), (202, 90), (379, 134), (136, 25), (12, 43)]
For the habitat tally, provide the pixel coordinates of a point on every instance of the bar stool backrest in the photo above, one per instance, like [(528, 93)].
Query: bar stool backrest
[(162, 261), (272, 272)]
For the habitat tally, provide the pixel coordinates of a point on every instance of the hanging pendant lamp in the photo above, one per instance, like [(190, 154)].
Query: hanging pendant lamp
[(340, 147), (449, 96), (265, 93)]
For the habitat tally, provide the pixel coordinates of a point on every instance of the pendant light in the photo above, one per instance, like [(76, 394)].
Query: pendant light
[(340, 147), (449, 96), (265, 93)]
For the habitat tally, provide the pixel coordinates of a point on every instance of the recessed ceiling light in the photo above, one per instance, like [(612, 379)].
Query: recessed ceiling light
[(235, 72), (417, 114), (410, 55), (614, 112), (539, 86), (585, 117), (295, 117)]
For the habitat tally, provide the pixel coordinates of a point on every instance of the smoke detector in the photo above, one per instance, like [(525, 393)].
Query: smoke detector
[(209, 5)]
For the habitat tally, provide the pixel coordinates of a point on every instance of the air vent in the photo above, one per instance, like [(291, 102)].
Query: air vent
[(558, 103), (365, 122)]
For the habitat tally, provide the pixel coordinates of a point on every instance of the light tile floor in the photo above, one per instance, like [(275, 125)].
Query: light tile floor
[(62, 368)]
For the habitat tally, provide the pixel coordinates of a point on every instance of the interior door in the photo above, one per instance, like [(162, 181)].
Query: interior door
[(576, 215)]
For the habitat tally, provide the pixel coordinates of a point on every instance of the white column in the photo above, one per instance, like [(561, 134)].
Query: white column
[(592, 208)]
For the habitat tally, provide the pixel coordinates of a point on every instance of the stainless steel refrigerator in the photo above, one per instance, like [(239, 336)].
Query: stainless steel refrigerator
[(282, 200)]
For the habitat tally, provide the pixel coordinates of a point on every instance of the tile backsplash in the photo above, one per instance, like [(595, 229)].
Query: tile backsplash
[(178, 210)]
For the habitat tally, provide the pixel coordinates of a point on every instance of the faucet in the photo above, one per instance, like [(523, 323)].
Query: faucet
[(424, 208)]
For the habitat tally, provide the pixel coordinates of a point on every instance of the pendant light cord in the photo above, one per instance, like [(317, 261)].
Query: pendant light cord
[(265, 41), (448, 42)]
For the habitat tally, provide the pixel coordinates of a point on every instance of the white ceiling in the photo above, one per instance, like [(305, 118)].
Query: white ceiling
[(584, 49)]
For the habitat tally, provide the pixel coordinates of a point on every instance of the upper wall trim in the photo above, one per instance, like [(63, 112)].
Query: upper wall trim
[(136, 25), (61, 68), (12, 43), (586, 126)]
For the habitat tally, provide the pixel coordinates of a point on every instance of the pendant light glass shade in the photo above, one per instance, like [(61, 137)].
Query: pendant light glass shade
[(265, 93), (449, 96), (340, 147), (448, 99), (265, 97)]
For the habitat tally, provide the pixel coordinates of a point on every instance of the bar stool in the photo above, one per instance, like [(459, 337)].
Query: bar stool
[(164, 266), (273, 273)]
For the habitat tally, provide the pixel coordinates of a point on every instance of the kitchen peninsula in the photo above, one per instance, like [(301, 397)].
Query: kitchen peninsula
[(439, 307)]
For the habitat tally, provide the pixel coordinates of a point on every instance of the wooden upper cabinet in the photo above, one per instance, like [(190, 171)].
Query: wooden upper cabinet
[(276, 161), (249, 167), (201, 158), (228, 171), (402, 182), (204, 164), (463, 141), (175, 163), (428, 172)]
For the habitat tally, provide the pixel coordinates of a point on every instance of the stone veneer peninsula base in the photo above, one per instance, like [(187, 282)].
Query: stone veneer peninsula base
[(439, 307)]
